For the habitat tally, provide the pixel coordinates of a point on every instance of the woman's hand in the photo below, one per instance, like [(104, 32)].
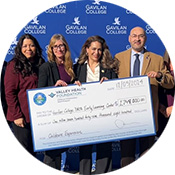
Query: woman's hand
[(77, 83), (60, 83), (162, 109), (19, 122), (168, 111), (103, 79), (153, 74)]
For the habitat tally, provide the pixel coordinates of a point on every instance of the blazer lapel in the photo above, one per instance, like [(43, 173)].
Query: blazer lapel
[(146, 61), (82, 73), (127, 59), (55, 72)]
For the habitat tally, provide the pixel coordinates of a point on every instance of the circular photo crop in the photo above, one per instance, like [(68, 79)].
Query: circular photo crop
[(87, 87)]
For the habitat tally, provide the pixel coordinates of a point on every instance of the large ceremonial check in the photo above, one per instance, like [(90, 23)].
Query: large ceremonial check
[(92, 113)]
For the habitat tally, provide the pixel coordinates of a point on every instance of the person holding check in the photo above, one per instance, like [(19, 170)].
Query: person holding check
[(57, 71), (135, 62), (95, 64)]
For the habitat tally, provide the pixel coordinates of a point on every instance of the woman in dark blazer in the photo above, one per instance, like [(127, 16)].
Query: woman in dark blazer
[(57, 71), (95, 64)]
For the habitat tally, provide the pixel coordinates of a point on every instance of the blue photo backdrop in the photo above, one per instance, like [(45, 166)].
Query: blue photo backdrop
[(77, 21)]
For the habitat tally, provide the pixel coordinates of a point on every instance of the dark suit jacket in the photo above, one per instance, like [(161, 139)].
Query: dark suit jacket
[(48, 74), (81, 72), (151, 62)]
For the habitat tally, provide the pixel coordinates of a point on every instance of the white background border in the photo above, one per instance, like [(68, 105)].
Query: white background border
[(15, 14)]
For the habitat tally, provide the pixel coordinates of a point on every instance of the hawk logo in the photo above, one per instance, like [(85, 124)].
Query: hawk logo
[(96, 8), (116, 28), (96, 2), (76, 21), (12, 47), (14, 42), (35, 20), (116, 21), (76, 28), (35, 27)]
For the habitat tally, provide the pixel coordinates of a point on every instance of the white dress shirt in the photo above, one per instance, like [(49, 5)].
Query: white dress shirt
[(93, 76)]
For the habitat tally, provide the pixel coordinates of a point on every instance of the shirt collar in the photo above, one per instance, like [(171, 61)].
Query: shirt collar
[(133, 52), (86, 62)]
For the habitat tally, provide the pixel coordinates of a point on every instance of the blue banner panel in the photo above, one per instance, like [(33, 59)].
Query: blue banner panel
[(78, 20)]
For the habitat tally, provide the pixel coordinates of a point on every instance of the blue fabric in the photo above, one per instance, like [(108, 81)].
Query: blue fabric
[(136, 70)]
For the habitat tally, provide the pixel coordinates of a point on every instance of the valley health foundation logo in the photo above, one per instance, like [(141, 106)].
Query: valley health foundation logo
[(61, 9), (35, 27), (116, 28), (11, 50), (39, 99), (76, 28), (96, 8)]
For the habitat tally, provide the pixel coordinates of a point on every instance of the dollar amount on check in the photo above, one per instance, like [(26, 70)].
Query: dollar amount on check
[(92, 113)]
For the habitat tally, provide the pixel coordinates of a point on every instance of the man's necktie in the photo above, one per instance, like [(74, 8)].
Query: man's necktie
[(136, 70)]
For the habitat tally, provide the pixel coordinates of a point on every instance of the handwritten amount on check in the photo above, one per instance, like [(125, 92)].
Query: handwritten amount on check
[(90, 108)]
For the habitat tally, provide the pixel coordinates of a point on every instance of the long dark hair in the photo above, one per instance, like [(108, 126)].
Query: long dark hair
[(22, 64), (106, 59)]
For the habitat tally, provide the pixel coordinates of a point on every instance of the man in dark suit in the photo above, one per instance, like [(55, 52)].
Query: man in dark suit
[(149, 64)]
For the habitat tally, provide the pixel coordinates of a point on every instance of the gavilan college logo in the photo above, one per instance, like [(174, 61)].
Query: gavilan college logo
[(60, 9), (35, 28), (96, 8), (76, 28), (116, 28), (12, 47)]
